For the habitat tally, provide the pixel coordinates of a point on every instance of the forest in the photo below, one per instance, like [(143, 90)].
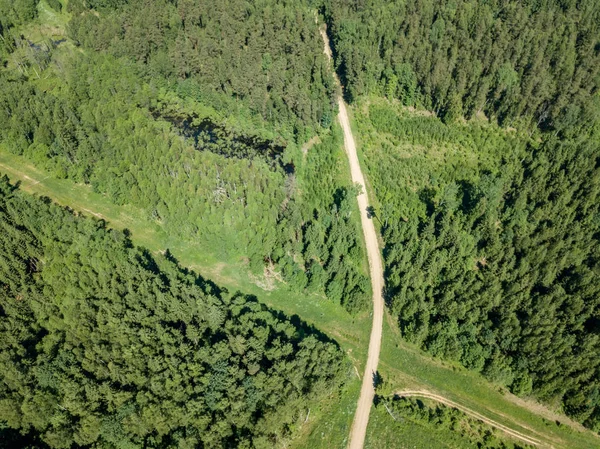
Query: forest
[(522, 62), (479, 127), (492, 237), (106, 345), (155, 140), (266, 56)]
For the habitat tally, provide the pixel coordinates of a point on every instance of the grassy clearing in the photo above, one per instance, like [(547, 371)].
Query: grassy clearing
[(52, 18), (332, 422), (50, 24), (384, 433), (328, 425), (405, 152), (404, 432)]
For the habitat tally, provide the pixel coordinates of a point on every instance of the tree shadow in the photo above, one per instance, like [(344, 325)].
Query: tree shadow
[(427, 196), (371, 212), (470, 196), (303, 329), (377, 380), (207, 286)]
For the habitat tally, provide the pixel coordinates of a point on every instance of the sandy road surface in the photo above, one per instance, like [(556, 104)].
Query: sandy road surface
[(514, 433), (367, 392)]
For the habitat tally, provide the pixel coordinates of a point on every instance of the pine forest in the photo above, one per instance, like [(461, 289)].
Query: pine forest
[(189, 255)]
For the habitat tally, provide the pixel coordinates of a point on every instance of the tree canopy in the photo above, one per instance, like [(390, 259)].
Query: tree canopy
[(491, 234), (479, 123), (202, 160), (519, 61), (105, 345), (492, 257)]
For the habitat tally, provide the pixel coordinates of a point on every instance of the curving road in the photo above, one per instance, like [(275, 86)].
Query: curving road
[(514, 433), (367, 391)]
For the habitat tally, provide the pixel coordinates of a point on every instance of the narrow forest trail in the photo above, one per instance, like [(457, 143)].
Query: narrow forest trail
[(367, 391), (514, 433)]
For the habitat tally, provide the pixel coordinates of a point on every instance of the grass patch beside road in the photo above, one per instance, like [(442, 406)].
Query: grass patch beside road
[(405, 367)]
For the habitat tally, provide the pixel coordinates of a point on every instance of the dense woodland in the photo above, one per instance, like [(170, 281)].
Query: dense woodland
[(197, 111), (520, 61), (266, 55), (492, 248), (501, 273), (492, 236), (104, 345), (156, 140)]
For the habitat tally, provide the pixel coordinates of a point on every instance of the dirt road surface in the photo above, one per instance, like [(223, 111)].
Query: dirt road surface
[(514, 433), (367, 391)]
